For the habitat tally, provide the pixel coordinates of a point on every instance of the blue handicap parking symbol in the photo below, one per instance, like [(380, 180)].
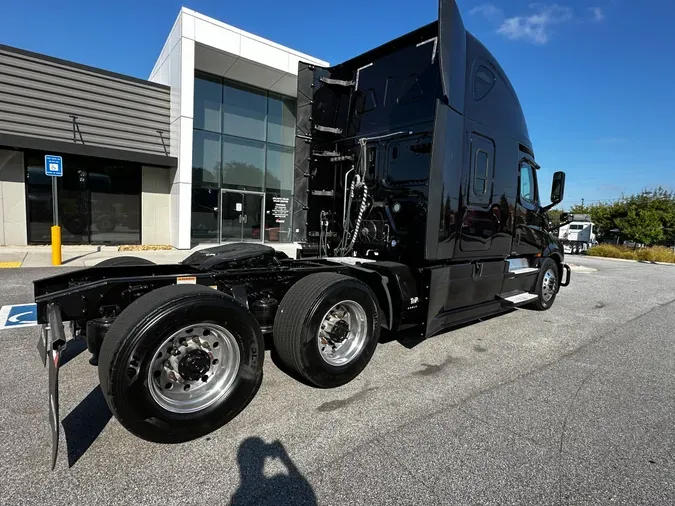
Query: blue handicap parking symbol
[(19, 315)]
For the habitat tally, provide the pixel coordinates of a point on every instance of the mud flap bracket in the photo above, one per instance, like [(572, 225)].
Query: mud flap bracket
[(51, 344)]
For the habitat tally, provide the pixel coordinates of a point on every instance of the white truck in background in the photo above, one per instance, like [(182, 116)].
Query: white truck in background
[(578, 234)]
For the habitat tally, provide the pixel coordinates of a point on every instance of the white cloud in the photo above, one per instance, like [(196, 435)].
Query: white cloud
[(537, 27), (490, 11), (598, 14)]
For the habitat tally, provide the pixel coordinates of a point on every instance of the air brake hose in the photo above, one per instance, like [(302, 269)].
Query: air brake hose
[(357, 225)]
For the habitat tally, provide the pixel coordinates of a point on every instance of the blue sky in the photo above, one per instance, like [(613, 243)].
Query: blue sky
[(595, 77)]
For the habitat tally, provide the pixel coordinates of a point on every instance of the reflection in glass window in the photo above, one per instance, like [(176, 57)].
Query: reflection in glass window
[(244, 112), (205, 158), (208, 104), (244, 139), (527, 183), (243, 164), (99, 200), (204, 223), (409, 159), (480, 172), (281, 120), (279, 168)]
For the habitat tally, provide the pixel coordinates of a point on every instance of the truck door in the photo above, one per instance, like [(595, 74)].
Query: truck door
[(529, 235), (480, 222)]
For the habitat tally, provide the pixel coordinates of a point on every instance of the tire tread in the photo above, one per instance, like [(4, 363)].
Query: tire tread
[(128, 319), (293, 312)]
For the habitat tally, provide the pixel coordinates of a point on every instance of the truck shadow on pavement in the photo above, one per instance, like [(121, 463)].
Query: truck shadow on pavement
[(287, 488), (84, 424), (74, 348)]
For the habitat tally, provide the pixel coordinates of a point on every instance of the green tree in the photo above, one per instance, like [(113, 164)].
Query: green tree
[(647, 217), (554, 216), (642, 225)]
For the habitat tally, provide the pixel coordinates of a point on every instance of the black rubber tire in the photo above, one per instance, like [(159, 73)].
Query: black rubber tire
[(125, 261), (135, 335), (297, 323), (540, 304)]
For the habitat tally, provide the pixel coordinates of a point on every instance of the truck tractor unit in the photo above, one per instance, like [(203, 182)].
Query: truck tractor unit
[(416, 208), (578, 234)]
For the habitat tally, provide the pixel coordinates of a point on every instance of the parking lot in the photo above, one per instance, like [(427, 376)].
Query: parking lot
[(575, 405)]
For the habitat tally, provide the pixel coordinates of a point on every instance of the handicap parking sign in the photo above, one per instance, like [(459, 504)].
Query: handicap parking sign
[(53, 165), (18, 315)]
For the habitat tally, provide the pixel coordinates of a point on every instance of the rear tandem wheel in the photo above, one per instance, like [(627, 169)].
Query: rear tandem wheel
[(327, 328), (180, 362)]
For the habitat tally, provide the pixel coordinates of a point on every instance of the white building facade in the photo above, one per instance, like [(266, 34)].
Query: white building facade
[(232, 130)]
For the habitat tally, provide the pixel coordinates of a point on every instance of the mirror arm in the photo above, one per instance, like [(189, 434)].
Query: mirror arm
[(556, 227)]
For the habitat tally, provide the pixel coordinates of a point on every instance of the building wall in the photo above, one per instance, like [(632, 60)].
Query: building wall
[(12, 199), (38, 94), (175, 68), (199, 42), (156, 206)]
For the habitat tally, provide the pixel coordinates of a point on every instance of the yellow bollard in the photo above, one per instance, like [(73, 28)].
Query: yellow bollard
[(56, 245)]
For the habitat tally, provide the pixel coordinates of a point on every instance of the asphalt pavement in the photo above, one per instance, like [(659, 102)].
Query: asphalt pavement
[(575, 405)]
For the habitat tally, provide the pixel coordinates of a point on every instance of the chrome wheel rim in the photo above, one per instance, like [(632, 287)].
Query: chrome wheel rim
[(342, 333), (549, 284), (194, 368)]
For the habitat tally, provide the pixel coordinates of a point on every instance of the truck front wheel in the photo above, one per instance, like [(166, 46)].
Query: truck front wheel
[(327, 328), (548, 284), (180, 362)]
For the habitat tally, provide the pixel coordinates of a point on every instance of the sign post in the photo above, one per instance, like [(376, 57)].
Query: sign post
[(54, 169)]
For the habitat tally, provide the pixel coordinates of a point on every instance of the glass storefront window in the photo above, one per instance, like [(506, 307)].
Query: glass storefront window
[(206, 150), (277, 216), (244, 112), (99, 200), (208, 103), (243, 164), (279, 175), (281, 120), (205, 202), (249, 146)]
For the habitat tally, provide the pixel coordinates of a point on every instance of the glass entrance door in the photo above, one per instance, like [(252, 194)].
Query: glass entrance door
[(242, 214)]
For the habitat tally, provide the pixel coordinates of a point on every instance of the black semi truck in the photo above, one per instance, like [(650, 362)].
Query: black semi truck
[(416, 208)]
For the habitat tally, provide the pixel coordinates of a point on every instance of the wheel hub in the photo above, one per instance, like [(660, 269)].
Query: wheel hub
[(343, 333), (339, 332), (194, 365)]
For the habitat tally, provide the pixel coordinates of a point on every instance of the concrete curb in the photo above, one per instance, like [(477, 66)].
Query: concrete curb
[(628, 260)]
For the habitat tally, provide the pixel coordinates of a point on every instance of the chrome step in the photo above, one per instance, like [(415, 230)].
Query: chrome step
[(520, 298), (524, 270)]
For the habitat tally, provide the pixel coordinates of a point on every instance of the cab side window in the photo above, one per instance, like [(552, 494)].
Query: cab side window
[(528, 183)]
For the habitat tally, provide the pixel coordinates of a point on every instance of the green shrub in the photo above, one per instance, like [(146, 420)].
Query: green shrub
[(611, 251), (654, 254)]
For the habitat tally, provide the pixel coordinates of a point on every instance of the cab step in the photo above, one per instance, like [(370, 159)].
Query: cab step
[(524, 270), (517, 298)]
